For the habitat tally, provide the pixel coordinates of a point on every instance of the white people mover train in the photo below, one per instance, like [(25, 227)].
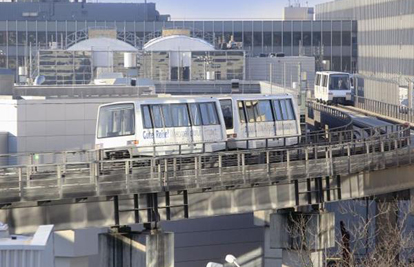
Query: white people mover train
[(182, 125), (161, 126), (333, 87), (270, 120)]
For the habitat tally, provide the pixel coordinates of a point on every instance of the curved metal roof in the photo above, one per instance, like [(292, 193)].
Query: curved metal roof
[(102, 44), (178, 43)]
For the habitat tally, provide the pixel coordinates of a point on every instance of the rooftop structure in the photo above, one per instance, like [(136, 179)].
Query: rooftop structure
[(72, 11)]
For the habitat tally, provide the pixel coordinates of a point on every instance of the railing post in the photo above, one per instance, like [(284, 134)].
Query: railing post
[(59, 180), (288, 165), (20, 174)]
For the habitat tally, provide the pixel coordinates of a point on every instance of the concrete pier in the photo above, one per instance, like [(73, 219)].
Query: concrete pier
[(160, 249), (153, 248), (297, 238)]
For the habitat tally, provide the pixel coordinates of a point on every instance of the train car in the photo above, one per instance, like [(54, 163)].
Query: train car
[(260, 117), (161, 126), (333, 87)]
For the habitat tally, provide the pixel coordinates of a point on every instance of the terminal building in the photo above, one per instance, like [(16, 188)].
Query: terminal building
[(26, 27), (385, 32)]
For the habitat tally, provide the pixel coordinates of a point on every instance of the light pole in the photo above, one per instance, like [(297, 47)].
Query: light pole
[(232, 260)]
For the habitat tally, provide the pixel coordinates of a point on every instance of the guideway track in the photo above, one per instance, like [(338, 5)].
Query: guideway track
[(330, 154)]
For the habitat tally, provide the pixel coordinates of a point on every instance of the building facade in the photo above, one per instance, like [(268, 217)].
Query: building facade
[(21, 34), (385, 35)]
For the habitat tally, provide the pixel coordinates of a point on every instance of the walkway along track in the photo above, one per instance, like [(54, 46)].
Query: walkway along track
[(322, 154)]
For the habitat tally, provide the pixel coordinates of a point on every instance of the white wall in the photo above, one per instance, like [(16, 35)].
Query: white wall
[(50, 125)]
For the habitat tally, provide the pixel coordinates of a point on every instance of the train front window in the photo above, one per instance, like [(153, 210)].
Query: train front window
[(116, 120), (278, 110), (227, 110), (339, 82)]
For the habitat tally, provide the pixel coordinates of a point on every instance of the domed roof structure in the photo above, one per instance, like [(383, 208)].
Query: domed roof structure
[(178, 43), (102, 44)]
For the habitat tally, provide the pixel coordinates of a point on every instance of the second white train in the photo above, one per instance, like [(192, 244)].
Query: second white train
[(172, 125)]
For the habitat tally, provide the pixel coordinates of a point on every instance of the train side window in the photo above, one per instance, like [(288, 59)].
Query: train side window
[(204, 113), (242, 115), (264, 110), (277, 109), (157, 116), (195, 114), (146, 116), (179, 114), (166, 111), (318, 79), (290, 110), (250, 111), (227, 110), (212, 114), (257, 115), (325, 80)]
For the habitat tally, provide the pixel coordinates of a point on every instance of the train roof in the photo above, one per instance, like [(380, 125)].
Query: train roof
[(333, 72), (250, 96), (167, 99)]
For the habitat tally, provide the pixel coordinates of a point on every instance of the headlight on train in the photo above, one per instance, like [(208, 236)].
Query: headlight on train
[(232, 135), (98, 146), (133, 143)]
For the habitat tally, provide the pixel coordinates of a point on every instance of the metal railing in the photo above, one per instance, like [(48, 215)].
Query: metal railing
[(393, 111), (95, 176)]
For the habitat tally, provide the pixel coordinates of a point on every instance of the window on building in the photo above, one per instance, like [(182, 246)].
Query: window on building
[(297, 38), (277, 39), (258, 39), (317, 39), (287, 39), (336, 38), (326, 38)]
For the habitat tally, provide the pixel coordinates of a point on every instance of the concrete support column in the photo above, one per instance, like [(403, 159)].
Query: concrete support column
[(126, 249), (302, 237), (121, 250), (160, 249)]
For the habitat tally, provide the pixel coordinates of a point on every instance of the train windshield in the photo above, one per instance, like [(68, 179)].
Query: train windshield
[(116, 120), (339, 82)]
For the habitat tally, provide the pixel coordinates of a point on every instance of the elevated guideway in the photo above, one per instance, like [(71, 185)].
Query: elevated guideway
[(326, 166)]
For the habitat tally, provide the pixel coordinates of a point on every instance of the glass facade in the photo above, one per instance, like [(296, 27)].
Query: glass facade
[(328, 40), (192, 66), (64, 67)]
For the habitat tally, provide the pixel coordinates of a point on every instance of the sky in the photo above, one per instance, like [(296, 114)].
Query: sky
[(226, 9)]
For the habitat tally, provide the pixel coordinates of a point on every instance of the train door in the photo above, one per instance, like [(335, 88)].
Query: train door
[(196, 126), (160, 133), (251, 118), (265, 124), (242, 131), (212, 129), (147, 125), (227, 111), (278, 118), (182, 126)]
